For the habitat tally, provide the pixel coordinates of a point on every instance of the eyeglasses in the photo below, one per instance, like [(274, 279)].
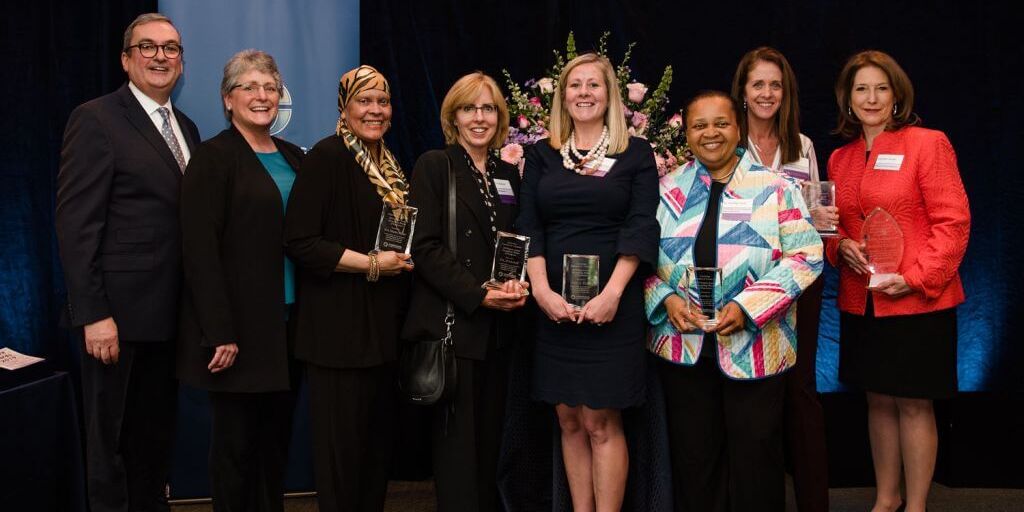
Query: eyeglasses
[(253, 88), (487, 109), (148, 50)]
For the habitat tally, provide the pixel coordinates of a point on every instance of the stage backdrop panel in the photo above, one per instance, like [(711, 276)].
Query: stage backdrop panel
[(313, 42)]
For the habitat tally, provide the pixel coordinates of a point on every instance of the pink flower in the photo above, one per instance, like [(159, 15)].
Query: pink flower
[(676, 121), (671, 162), (639, 121), (637, 91), (512, 153), (524, 123), (535, 103), (546, 85)]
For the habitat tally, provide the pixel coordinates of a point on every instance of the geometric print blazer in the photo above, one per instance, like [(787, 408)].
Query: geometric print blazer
[(769, 254)]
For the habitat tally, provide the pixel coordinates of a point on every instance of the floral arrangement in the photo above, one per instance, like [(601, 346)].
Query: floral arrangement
[(530, 106)]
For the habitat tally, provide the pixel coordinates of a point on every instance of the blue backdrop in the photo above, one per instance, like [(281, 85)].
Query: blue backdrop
[(313, 42)]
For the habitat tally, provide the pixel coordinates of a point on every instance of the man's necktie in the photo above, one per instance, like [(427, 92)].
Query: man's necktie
[(172, 141)]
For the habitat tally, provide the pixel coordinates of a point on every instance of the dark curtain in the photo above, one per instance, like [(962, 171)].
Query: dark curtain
[(56, 56), (964, 59), (965, 62)]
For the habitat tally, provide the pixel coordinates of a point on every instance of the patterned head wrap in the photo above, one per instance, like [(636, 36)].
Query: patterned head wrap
[(386, 175)]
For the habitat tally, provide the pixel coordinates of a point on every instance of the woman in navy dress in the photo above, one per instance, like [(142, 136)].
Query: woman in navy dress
[(590, 189)]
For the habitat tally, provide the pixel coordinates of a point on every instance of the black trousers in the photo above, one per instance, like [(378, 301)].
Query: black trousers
[(467, 441), (130, 409), (353, 416), (249, 439), (804, 418), (725, 439)]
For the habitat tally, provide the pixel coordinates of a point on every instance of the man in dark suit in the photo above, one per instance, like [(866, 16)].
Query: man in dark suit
[(120, 244)]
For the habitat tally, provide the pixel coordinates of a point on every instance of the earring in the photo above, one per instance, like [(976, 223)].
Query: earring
[(744, 105), (894, 105), (849, 111)]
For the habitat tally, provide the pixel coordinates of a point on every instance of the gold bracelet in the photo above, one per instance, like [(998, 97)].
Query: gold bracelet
[(373, 273)]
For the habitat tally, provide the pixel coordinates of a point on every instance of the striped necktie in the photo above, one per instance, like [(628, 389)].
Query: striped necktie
[(172, 141)]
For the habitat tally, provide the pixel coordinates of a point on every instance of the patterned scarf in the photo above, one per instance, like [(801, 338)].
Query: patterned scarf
[(387, 176)]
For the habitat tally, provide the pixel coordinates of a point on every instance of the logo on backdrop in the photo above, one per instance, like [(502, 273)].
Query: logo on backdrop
[(284, 112)]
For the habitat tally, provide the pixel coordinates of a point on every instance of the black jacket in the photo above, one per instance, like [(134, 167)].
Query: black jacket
[(117, 218), (342, 321), (440, 275), (232, 221)]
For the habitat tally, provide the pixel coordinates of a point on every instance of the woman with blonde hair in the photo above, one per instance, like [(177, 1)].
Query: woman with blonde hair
[(590, 189), (466, 432)]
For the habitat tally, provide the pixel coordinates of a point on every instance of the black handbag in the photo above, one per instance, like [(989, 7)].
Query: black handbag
[(426, 369)]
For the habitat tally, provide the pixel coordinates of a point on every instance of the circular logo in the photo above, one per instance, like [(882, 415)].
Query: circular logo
[(284, 112)]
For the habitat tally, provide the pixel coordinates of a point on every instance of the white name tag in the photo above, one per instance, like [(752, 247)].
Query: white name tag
[(737, 208), (889, 162), (799, 170), (505, 191), (602, 168)]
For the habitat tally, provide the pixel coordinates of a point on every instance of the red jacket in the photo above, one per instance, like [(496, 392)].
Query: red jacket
[(927, 199)]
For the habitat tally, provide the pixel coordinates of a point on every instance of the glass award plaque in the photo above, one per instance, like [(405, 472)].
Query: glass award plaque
[(510, 253), (396, 227), (816, 195), (707, 283), (580, 278), (883, 246)]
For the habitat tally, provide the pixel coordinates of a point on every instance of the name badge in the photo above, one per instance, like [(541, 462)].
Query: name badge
[(737, 209), (799, 170), (602, 168), (889, 162), (505, 191)]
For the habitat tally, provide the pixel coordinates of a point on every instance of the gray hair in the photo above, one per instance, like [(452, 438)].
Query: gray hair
[(242, 63), (142, 19)]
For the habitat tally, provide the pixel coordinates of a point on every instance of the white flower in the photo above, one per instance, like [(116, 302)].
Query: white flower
[(637, 91), (546, 84)]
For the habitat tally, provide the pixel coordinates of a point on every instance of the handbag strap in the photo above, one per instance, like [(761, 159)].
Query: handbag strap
[(449, 316)]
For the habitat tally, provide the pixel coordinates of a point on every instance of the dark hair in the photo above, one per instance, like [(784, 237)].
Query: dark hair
[(903, 92), (142, 19), (708, 93), (787, 119)]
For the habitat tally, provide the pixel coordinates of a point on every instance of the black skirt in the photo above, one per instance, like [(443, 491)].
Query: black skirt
[(907, 356)]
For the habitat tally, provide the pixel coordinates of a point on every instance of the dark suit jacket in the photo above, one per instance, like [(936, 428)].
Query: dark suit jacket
[(232, 223), (342, 320), (117, 218), (440, 275)]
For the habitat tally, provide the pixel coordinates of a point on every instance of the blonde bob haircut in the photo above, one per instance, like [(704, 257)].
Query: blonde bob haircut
[(614, 116), (464, 92), (903, 93)]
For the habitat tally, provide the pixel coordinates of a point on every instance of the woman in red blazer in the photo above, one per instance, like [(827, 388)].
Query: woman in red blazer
[(897, 338)]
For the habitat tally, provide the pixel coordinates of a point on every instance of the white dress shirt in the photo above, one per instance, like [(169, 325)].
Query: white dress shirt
[(151, 107)]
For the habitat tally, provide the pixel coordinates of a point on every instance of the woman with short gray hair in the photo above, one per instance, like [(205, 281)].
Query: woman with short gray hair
[(239, 287)]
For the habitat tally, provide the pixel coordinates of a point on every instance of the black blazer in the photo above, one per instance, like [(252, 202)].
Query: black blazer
[(441, 275), (342, 320), (232, 225), (117, 218)]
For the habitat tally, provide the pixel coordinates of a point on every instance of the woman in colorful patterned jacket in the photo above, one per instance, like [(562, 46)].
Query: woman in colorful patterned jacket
[(722, 385)]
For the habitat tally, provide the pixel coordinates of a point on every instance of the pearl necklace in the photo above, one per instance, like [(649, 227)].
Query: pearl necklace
[(577, 162)]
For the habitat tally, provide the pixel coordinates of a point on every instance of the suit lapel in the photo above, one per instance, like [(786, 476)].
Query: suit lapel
[(141, 121)]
